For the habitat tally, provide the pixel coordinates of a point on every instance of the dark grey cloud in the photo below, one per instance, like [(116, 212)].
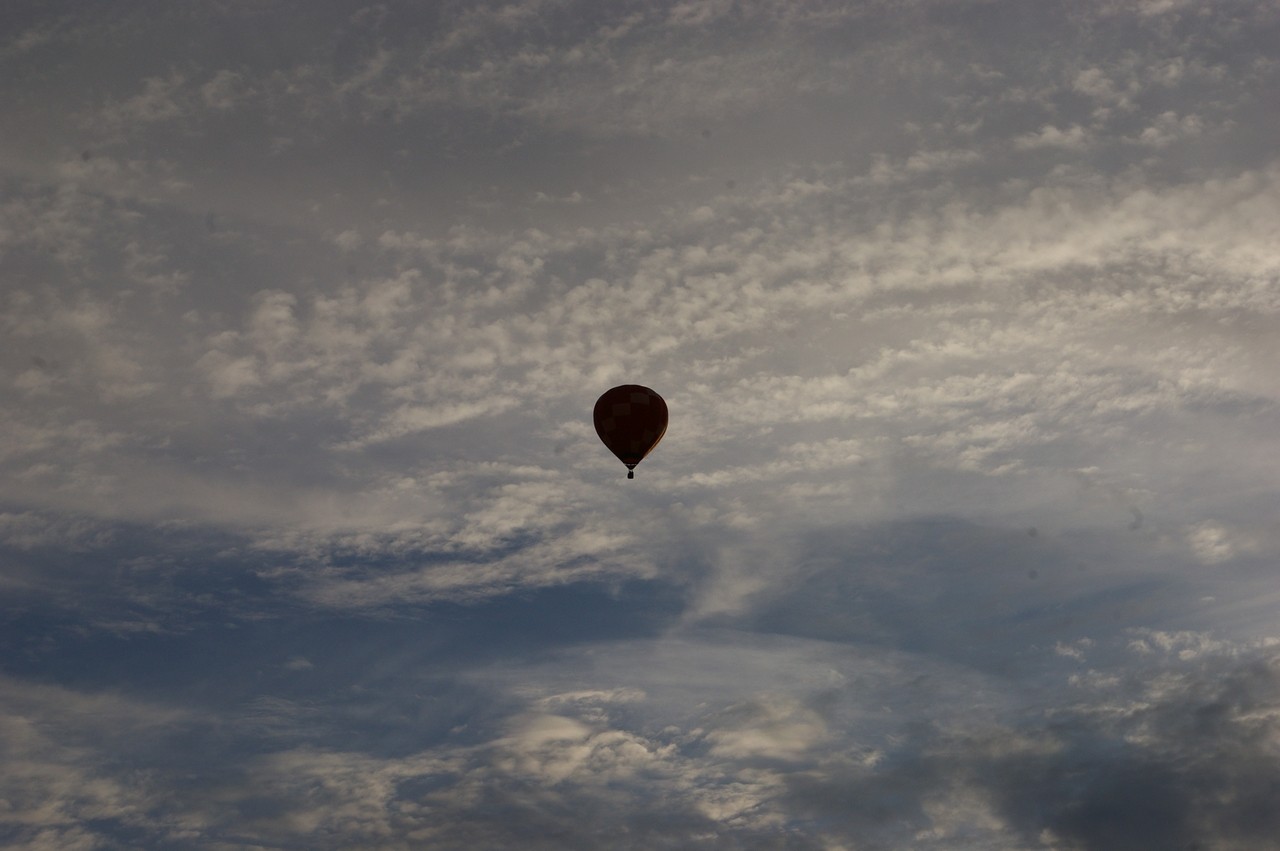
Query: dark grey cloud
[(1186, 764)]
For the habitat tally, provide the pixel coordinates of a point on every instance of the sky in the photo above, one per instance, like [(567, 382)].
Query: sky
[(963, 534)]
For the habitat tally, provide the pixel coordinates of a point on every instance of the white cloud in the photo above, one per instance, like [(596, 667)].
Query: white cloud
[(1074, 137), (1097, 84), (348, 240), (1169, 128), (1213, 543), (769, 727)]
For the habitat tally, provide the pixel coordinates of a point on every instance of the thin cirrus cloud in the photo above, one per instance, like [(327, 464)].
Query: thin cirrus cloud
[(962, 534)]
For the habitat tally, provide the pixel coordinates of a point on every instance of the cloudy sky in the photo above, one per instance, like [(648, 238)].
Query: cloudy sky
[(964, 531)]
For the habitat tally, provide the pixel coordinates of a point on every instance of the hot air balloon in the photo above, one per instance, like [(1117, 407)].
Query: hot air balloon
[(630, 419)]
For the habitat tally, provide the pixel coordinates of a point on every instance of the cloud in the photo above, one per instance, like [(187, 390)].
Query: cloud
[(62, 222), (1180, 750), (160, 100), (962, 532), (1213, 543), (1170, 128), (224, 91), (768, 728), (1072, 138), (991, 339), (29, 530), (58, 781), (1096, 83), (1093, 776)]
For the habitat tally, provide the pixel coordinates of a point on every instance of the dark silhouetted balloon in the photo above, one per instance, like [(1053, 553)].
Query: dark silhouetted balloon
[(630, 419)]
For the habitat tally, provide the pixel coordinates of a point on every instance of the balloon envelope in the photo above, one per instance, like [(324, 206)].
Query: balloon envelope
[(630, 419)]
